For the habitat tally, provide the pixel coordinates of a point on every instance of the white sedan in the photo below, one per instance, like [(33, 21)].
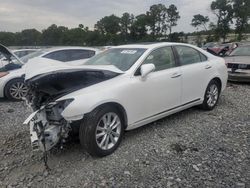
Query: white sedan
[(11, 74), (71, 55), (120, 89)]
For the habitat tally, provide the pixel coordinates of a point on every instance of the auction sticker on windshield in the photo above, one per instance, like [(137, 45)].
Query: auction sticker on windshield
[(128, 51)]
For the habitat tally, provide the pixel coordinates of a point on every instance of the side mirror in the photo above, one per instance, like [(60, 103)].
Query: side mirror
[(146, 69)]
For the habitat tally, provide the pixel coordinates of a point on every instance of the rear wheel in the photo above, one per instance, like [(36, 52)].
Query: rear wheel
[(16, 89), (212, 95), (101, 131)]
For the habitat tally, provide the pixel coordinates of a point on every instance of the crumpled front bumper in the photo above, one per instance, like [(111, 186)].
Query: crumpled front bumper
[(43, 136)]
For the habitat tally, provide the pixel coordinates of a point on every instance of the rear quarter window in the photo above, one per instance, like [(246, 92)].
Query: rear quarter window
[(203, 57)]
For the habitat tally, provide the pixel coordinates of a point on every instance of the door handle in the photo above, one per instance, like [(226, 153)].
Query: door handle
[(176, 75), (208, 67)]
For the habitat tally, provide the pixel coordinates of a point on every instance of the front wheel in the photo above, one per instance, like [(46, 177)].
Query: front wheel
[(101, 131), (212, 95), (16, 89)]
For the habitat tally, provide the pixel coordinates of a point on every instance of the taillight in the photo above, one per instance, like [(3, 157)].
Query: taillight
[(2, 74)]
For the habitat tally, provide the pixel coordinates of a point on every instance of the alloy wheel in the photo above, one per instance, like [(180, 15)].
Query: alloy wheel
[(212, 95), (18, 90), (108, 131)]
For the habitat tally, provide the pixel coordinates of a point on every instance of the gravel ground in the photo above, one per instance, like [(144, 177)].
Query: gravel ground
[(189, 149)]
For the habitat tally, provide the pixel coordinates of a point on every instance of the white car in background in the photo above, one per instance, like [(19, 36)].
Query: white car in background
[(70, 55), (23, 52), (19, 53), (11, 74), (120, 89)]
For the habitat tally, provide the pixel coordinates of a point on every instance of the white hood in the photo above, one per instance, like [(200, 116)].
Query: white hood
[(38, 66)]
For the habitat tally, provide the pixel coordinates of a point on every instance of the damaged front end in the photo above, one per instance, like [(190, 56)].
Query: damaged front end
[(47, 126)]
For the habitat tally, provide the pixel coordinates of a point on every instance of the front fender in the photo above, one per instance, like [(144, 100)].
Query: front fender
[(83, 105)]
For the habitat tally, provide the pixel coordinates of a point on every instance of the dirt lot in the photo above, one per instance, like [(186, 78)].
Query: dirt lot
[(189, 149)]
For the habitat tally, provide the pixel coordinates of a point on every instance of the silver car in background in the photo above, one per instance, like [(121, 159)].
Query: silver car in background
[(238, 63)]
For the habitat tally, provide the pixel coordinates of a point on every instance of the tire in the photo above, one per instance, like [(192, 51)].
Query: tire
[(94, 133), (211, 96), (15, 89)]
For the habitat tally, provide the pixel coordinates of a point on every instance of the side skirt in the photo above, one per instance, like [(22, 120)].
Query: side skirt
[(163, 114)]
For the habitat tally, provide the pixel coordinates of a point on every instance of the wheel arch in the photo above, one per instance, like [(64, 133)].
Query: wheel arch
[(218, 80), (215, 78), (119, 107)]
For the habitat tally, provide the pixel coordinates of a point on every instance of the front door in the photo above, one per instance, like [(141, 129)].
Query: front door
[(160, 91)]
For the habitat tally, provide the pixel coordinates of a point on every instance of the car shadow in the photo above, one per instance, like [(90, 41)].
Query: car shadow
[(238, 83), (4, 100), (73, 144)]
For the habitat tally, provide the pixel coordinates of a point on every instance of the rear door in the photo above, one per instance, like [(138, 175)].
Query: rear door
[(195, 70)]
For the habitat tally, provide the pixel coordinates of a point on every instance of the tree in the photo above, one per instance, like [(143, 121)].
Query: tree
[(126, 22), (94, 38), (200, 21), (109, 30), (173, 17), (108, 25), (8, 38), (242, 15), (29, 37), (53, 35), (156, 19), (177, 37), (74, 36), (224, 13), (139, 27)]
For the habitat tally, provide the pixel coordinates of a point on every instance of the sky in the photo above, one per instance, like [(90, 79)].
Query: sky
[(16, 15)]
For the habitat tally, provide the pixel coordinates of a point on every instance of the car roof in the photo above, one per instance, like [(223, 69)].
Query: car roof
[(20, 50), (150, 45), (68, 48)]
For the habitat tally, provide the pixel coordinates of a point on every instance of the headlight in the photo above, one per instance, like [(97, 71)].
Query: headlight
[(60, 104), (53, 110), (2, 74)]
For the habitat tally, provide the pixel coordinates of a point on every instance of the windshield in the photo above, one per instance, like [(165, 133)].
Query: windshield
[(241, 51), (122, 58), (26, 58)]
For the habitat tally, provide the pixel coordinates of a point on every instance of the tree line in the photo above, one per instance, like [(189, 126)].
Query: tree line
[(156, 24), (228, 13)]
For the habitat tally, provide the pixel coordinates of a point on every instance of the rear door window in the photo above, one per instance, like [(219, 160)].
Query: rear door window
[(188, 55), (60, 55), (70, 55), (80, 54)]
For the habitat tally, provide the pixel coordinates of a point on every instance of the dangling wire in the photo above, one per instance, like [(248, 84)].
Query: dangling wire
[(45, 158), (45, 153)]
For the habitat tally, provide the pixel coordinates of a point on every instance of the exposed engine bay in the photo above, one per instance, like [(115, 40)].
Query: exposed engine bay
[(47, 126), (48, 87)]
